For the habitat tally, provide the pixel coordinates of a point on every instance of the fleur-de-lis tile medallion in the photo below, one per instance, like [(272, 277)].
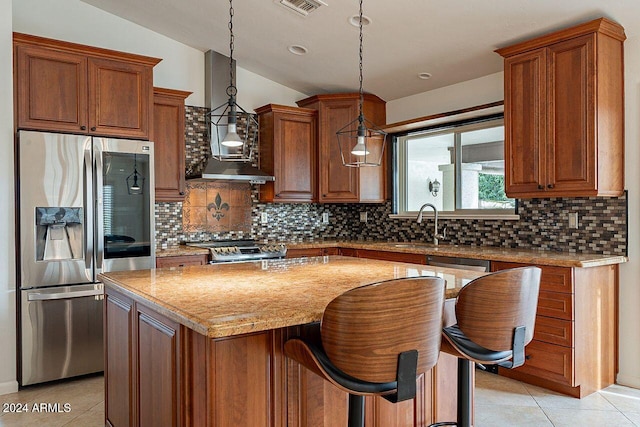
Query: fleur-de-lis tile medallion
[(218, 207)]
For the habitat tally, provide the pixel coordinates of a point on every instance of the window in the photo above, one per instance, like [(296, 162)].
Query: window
[(459, 169)]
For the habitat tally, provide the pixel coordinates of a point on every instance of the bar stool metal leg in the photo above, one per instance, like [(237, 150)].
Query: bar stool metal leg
[(465, 392), (356, 411)]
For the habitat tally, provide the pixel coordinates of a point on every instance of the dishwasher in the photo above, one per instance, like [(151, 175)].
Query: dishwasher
[(459, 263)]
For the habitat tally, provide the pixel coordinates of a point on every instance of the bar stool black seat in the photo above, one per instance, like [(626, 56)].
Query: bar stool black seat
[(495, 317), (375, 340)]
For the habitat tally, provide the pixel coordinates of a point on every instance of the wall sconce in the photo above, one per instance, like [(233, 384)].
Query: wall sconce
[(434, 187)]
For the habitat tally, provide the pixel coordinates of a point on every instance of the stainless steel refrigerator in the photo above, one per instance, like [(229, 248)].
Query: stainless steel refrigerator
[(85, 206)]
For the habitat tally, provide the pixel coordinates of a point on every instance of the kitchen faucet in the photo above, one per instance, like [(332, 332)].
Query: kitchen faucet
[(436, 236)]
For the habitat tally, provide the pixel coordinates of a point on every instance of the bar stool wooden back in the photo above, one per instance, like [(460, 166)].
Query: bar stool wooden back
[(495, 317), (376, 339)]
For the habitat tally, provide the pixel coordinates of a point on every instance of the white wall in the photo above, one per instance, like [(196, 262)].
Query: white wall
[(8, 381), (490, 88), (629, 273), (182, 67), (462, 95), (255, 91)]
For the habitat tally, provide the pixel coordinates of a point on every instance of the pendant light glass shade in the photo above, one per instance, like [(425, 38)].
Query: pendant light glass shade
[(231, 129), (361, 142)]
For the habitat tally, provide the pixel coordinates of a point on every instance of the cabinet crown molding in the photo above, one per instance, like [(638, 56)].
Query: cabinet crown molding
[(602, 25), (28, 39)]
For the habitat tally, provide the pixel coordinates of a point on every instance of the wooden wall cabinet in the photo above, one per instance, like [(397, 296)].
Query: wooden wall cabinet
[(167, 134), (574, 347), (338, 183), (67, 87), (288, 145), (564, 113), (181, 260)]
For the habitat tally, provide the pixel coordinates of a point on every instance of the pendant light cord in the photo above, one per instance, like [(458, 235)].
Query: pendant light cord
[(360, 117), (231, 90)]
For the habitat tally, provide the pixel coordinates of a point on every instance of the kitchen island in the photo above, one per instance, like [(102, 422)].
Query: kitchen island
[(203, 345)]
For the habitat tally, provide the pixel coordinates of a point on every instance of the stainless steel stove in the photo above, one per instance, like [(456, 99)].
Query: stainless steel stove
[(241, 250)]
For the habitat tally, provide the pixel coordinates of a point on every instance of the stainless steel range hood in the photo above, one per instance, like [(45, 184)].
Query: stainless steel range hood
[(215, 86), (234, 171)]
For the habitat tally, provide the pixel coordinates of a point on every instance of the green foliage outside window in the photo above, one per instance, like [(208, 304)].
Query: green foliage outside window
[(491, 188)]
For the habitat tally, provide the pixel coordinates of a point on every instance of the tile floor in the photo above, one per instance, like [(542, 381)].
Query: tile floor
[(85, 397), (500, 402)]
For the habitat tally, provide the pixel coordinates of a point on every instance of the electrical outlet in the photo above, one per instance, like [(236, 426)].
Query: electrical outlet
[(325, 217), (264, 218), (573, 220), (363, 216)]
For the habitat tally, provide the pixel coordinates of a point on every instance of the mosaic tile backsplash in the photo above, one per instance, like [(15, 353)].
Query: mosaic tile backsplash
[(543, 223)]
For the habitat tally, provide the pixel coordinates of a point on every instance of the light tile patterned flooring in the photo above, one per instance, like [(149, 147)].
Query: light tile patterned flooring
[(500, 402), (85, 397)]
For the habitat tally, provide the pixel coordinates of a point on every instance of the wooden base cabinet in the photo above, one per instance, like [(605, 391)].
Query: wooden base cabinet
[(574, 347), (167, 134), (163, 374), (564, 113), (67, 87), (181, 260)]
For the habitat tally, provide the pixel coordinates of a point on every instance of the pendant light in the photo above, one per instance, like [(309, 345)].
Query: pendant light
[(230, 142), (135, 181), (361, 142)]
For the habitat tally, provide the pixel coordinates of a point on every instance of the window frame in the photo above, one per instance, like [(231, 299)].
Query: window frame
[(399, 154)]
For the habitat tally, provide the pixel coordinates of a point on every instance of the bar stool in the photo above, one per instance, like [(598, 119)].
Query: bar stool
[(495, 316), (375, 340)]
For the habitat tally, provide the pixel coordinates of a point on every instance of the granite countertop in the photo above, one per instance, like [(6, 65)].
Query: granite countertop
[(230, 299), (527, 256)]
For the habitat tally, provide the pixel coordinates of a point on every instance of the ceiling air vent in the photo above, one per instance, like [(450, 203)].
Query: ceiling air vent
[(302, 7)]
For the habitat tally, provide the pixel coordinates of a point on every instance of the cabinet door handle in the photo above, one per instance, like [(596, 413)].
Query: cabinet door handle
[(278, 195), (324, 195), (540, 187), (83, 128), (93, 129), (549, 185), (182, 193)]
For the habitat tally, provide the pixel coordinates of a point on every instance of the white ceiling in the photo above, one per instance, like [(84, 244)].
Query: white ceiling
[(451, 39)]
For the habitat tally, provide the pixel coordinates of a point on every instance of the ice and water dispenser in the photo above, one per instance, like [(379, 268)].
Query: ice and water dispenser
[(59, 233)]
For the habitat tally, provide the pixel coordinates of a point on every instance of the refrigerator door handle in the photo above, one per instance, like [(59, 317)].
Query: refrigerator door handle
[(99, 237), (37, 296), (88, 203)]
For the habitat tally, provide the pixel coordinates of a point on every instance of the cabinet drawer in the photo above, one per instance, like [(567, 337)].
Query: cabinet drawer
[(555, 304), (549, 361), (393, 256), (181, 261), (554, 331), (301, 253), (554, 279)]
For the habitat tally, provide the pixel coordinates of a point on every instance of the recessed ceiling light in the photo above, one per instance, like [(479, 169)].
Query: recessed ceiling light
[(424, 76), (297, 49), (355, 20)]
